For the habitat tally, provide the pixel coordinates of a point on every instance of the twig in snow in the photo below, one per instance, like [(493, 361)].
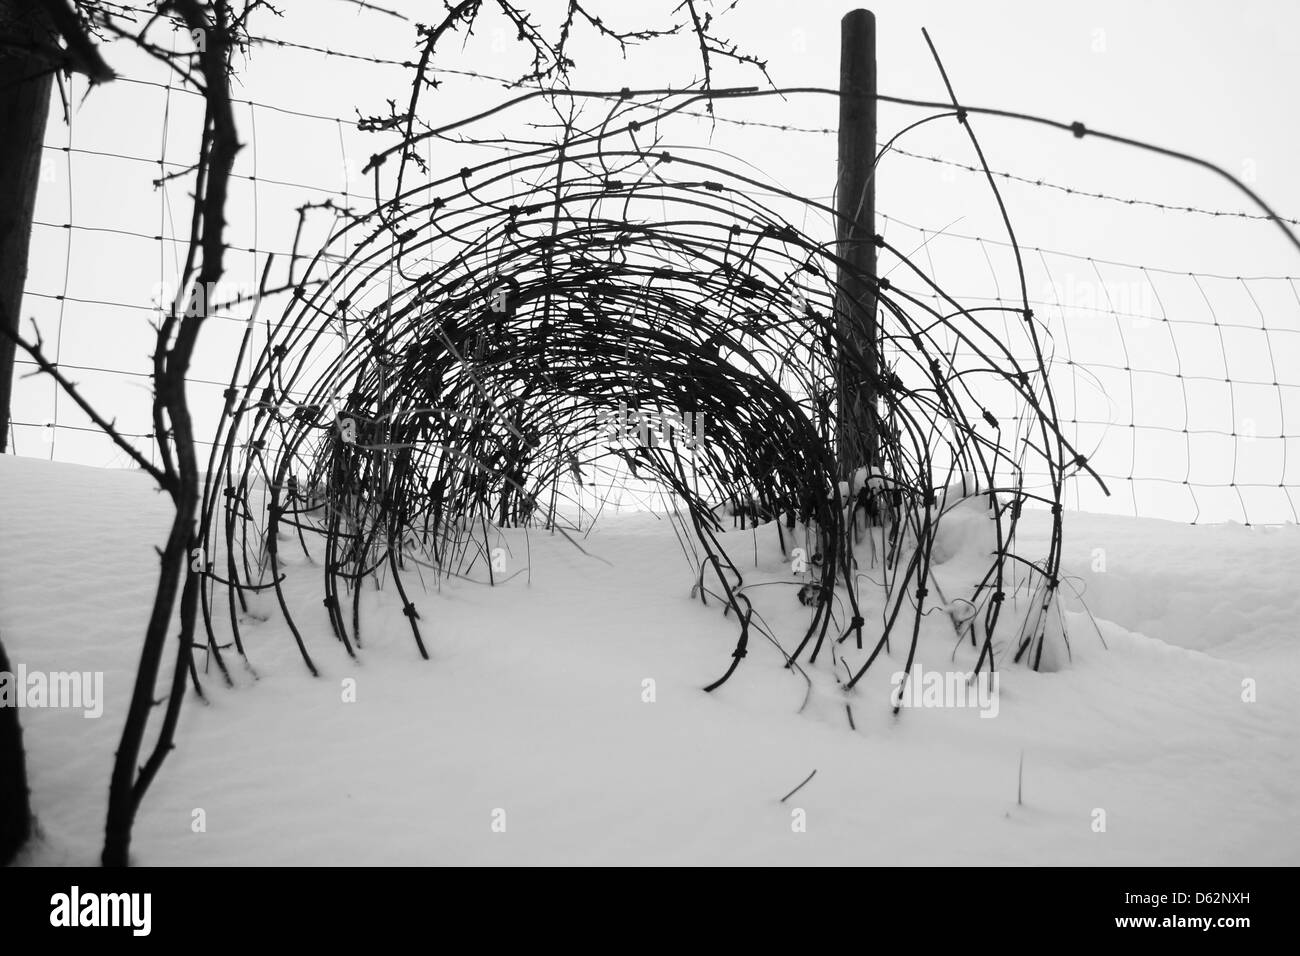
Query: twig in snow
[(798, 788)]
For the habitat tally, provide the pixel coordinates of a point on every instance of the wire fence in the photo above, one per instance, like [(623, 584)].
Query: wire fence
[(1176, 384)]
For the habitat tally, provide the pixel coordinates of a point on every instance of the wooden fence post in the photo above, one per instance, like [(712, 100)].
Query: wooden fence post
[(855, 300)]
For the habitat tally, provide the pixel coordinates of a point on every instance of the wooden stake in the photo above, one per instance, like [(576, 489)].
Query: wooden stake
[(855, 301)]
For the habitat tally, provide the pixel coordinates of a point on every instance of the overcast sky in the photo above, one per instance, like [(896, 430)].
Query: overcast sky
[(1213, 81)]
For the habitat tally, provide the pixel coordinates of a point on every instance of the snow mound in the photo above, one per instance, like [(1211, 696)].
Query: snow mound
[(567, 705)]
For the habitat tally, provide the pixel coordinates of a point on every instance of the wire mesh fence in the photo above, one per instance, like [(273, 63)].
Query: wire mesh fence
[(1175, 382)]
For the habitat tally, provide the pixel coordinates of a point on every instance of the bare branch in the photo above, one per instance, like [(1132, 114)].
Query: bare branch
[(38, 356)]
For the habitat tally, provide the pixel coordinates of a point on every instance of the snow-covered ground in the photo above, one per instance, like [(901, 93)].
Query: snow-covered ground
[(532, 711)]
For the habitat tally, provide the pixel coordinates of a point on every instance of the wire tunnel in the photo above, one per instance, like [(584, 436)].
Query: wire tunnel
[(477, 349)]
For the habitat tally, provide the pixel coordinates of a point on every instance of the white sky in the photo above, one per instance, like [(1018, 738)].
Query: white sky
[(1214, 82)]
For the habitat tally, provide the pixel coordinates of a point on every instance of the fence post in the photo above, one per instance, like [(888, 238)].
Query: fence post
[(855, 298)]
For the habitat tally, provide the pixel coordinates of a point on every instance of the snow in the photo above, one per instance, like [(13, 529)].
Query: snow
[(533, 705)]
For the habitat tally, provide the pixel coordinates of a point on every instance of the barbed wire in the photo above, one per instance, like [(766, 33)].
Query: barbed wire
[(1034, 181)]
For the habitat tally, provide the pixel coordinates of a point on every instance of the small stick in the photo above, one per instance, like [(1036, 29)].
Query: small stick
[(798, 788)]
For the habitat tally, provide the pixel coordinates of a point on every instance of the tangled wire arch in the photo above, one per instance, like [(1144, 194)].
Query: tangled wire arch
[(475, 351)]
